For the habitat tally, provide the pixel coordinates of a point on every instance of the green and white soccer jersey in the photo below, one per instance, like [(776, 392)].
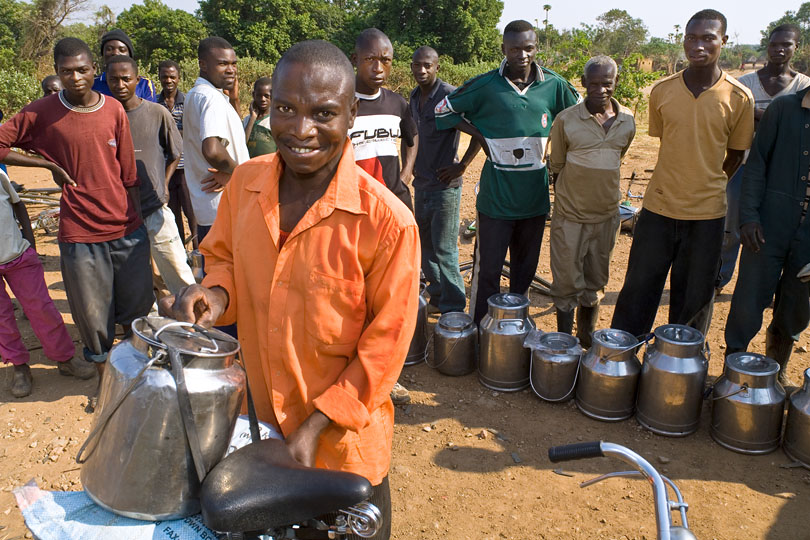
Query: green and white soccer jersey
[(516, 125)]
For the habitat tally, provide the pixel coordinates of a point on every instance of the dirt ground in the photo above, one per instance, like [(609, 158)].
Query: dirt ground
[(469, 463)]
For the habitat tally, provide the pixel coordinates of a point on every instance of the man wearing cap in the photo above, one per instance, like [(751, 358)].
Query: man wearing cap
[(117, 42)]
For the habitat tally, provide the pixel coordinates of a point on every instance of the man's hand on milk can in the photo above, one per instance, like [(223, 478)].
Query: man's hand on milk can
[(196, 304)]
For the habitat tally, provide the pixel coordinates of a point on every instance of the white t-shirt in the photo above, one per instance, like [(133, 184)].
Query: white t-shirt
[(208, 113), (762, 98), (12, 243)]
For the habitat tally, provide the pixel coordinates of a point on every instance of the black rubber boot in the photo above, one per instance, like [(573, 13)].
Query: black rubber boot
[(565, 321), (779, 348), (587, 317)]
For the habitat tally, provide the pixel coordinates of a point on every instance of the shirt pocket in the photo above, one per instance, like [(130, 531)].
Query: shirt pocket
[(335, 309)]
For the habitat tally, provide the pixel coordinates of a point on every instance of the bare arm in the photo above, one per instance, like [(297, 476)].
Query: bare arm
[(733, 161), (251, 121), (22, 160), (408, 159), (466, 127), (170, 168), (25, 223), (215, 154), (451, 172)]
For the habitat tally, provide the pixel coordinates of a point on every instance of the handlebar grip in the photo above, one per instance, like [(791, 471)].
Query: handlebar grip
[(569, 452)]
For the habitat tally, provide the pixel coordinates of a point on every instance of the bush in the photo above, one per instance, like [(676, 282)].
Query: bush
[(17, 90), (401, 79)]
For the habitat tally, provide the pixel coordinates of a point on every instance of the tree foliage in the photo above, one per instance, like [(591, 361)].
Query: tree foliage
[(617, 33), (801, 18), (12, 13), (159, 32), (464, 30)]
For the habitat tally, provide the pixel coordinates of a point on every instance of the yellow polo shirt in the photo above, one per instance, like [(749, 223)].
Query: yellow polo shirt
[(689, 182)]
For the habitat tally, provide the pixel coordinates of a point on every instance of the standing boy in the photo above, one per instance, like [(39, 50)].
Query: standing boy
[(84, 140), (173, 99), (437, 185), (775, 233), (382, 117), (21, 269), (157, 151), (509, 111), (705, 120), (257, 123), (213, 136), (114, 43), (774, 79), (588, 142)]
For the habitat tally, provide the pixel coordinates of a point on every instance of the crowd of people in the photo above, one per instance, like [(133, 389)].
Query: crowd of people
[(314, 243)]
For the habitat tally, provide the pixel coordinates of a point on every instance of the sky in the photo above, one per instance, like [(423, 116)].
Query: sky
[(745, 17)]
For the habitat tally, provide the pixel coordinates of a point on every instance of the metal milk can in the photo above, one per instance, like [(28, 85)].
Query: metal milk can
[(796, 443), (608, 376), (554, 364), (168, 402), (503, 363), (673, 376), (455, 344), (419, 342), (748, 404)]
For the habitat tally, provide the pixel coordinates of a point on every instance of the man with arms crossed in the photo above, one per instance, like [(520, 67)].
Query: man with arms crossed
[(705, 120), (509, 111), (335, 255), (588, 142), (213, 135), (84, 140), (437, 185)]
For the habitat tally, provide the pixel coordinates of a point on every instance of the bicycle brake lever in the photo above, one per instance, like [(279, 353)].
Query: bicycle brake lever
[(615, 474)]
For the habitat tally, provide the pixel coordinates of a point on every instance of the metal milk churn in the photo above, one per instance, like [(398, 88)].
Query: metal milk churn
[(455, 344), (554, 364), (169, 398), (608, 376), (419, 342), (796, 443), (748, 404), (503, 363), (673, 376)]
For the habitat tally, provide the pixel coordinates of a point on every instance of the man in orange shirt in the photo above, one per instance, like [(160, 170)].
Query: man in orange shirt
[(318, 263)]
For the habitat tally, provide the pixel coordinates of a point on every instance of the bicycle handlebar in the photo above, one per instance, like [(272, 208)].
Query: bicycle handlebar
[(569, 452)]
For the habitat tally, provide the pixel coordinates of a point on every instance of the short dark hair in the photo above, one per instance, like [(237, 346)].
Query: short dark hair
[(123, 59), (211, 43), (367, 36), (710, 15), (427, 49), (70, 46), (518, 26), (317, 53), (166, 64), (47, 80), (263, 81), (788, 27)]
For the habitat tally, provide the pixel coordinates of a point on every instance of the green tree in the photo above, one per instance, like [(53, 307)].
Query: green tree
[(800, 18), (159, 32), (12, 13), (617, 34), (465, 30), (266, 28), (43, 23)]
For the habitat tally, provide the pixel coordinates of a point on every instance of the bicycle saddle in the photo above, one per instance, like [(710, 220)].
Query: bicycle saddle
[(261, 486)]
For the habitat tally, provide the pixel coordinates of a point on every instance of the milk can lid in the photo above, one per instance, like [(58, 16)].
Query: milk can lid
[(455, 321), (614, 339), (679, 334), (751, 364), (508, 301), (163, 332), (556, 342)]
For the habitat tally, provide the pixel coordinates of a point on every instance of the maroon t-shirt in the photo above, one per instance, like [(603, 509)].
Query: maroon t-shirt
[(94, 146)]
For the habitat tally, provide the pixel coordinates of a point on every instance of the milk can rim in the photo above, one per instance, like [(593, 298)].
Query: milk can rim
[(735, 362), (220, 335), (627, 339), (494, 301), (660, 333), (464, 321)]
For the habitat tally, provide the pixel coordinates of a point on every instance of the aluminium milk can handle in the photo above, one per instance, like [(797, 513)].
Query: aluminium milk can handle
[(200, 330), (514, 322), (642, 340)]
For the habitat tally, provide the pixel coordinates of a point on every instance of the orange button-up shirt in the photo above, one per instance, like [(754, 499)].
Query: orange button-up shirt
[(325, 322)]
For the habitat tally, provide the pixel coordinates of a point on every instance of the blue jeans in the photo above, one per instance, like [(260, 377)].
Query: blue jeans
[(436, 214), (731, 238)]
